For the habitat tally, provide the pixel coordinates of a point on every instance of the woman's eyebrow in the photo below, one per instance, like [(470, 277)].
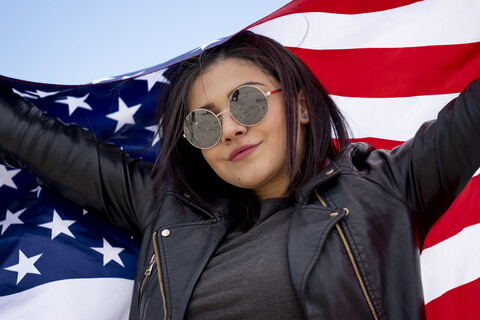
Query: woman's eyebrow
[(209, 106)]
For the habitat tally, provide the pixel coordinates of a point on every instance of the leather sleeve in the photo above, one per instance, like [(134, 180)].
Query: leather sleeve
[(430, 170), (71, 162)]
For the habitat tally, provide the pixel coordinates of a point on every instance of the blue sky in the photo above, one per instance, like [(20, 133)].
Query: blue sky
[(74, 42)]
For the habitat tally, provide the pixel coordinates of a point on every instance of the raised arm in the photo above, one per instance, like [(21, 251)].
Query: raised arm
[(69, 161), (430, 170)]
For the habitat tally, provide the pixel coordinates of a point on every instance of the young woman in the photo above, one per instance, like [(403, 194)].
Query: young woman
[(257, 206)]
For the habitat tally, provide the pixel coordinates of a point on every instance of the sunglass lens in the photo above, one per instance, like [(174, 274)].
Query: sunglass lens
[(248, 105), (202, 129)]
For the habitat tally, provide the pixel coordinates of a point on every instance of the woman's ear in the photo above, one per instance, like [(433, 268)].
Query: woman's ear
[(302, 109)]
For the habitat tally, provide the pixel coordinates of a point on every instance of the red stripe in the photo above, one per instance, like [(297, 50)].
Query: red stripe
[(459, 303), (380, 143), (335, 6), (462, 213), (394, 72)]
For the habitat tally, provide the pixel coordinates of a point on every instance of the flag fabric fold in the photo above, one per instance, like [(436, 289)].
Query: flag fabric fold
[(388, 65)]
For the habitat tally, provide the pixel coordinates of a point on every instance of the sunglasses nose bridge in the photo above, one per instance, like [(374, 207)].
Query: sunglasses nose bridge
[(230, 128), (221, 113)]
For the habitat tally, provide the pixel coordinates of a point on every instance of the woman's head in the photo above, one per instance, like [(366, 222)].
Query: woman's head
[(249, 157), (284, 150)]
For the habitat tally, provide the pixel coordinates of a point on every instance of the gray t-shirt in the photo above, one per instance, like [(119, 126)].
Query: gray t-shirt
[(248, 277)]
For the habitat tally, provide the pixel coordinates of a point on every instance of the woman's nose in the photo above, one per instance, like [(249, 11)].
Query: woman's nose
[(231, 129)]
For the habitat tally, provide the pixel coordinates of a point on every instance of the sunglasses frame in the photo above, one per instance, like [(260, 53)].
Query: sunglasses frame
[(266, 95)]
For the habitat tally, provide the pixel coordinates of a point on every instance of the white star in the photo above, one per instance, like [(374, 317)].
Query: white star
[(25, 265), (85, 212), (58, 226), (153, 78), (154, 130), (124, 115), (110, 253), (74, 103), (24, 95), (11, 218), (6, 177), (43, 94)]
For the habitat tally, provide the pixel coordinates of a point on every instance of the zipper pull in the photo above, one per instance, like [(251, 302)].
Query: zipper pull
[(150, 266)]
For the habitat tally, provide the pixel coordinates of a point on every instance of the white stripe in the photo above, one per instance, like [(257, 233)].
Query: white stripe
[(424, 23), (477, 173), (74, 299), (451, 263), (390, 118)]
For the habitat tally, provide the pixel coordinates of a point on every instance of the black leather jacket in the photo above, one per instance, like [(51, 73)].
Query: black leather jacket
[(354, 239)]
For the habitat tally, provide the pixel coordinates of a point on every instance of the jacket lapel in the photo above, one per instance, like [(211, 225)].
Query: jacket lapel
[(185, 250), (309, 228)]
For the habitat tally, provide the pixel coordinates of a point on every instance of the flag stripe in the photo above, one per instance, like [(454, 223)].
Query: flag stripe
[(400, 117), (463, 212), (73, 299), (460, 303), (339, 6), (460, 266), (425, 23), (394, 72)]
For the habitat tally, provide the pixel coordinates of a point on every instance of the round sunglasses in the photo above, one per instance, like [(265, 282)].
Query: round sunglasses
[(248, 106)]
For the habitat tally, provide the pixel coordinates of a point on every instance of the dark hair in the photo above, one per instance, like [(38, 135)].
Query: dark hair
[(184, 166)]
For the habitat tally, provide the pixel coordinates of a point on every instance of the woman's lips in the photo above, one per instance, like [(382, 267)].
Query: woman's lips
[(242, 152)]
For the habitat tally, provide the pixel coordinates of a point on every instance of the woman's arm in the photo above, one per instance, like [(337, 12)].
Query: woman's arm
[(431, 169), (71, 162)]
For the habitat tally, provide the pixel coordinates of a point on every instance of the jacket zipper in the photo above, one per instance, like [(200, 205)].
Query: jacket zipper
[(159, 272), (147, 273), (352, 261)]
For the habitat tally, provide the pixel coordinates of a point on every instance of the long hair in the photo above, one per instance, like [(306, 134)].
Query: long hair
[(184, 167)]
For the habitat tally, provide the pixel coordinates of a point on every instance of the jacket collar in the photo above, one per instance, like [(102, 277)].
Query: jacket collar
[(330, 171), (353, 152)]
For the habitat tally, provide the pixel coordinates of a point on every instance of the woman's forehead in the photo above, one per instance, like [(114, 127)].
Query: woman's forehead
[(216, 82)]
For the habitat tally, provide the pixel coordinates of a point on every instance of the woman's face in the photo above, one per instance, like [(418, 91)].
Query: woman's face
[(248, 157)]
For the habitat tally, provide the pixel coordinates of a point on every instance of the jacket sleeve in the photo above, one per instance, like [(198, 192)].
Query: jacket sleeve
[(430, 170), (71, 162)]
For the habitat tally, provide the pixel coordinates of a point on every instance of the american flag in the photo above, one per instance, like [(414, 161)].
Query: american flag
[(389, 65)]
